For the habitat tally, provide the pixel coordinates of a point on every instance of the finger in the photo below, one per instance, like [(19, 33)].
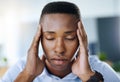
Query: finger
[(79, 28), (82, 33), (36, 40), (81, 42), (43, 58), (82, 27), (82, 30), (79, 37)]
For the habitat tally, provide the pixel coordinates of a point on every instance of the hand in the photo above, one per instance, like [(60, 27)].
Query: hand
[(34, 65), (81, 66)]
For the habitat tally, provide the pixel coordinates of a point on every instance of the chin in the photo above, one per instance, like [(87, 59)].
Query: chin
[(59, 68)]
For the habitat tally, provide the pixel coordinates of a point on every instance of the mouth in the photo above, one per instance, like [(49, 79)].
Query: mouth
[(59, 61)]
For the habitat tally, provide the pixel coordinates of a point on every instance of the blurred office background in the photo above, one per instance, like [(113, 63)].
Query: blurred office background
[(19, 21)]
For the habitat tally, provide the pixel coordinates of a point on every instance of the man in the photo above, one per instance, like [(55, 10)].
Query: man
[(61, 34)]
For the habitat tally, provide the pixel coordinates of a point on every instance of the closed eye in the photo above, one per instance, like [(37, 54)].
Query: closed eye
[(73, 38), (49, 38)]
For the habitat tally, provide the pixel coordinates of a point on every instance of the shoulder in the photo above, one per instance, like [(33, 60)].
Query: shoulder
[(98, 65), (13, 71), (94, 60), (106, 70)]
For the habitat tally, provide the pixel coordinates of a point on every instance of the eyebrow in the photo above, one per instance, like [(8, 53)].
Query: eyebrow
[(52, 32), (49, 32), (69, 32)]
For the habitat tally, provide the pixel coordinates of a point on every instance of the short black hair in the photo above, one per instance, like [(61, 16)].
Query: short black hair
[(61, 7)]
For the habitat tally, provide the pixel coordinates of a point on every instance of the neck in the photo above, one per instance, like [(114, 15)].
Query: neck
[(60, 73)]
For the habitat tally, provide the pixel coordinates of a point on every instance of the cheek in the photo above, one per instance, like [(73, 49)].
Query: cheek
[(47, 46), (71, 48)]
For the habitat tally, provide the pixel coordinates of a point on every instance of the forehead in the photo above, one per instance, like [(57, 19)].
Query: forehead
[(59, 21)]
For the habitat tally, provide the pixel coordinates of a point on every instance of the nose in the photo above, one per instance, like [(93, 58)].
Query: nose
[(59, 46)]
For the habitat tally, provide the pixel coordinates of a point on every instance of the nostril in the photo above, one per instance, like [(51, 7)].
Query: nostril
[(60, 52)]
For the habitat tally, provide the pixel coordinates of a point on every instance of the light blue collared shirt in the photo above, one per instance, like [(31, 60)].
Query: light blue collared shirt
[(108, 73)]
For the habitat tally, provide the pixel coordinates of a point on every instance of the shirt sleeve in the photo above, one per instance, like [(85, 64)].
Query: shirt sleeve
[(13, 71), (108, 73)]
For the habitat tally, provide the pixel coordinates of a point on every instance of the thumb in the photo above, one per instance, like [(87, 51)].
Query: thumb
[(43, 58)]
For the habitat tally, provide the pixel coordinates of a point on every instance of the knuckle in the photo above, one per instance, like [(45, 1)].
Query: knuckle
[(28, 50), (85, 36)]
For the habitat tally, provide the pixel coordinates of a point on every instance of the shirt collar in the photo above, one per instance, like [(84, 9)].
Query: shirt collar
[(46, 73)]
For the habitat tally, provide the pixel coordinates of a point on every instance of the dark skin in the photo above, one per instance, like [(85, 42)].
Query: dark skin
[(58, 38), (61, 34)]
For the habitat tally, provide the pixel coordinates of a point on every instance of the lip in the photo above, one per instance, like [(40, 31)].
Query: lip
[(59, 61)]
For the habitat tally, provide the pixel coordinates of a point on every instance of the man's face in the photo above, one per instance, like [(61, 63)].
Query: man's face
[(59, 40)]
